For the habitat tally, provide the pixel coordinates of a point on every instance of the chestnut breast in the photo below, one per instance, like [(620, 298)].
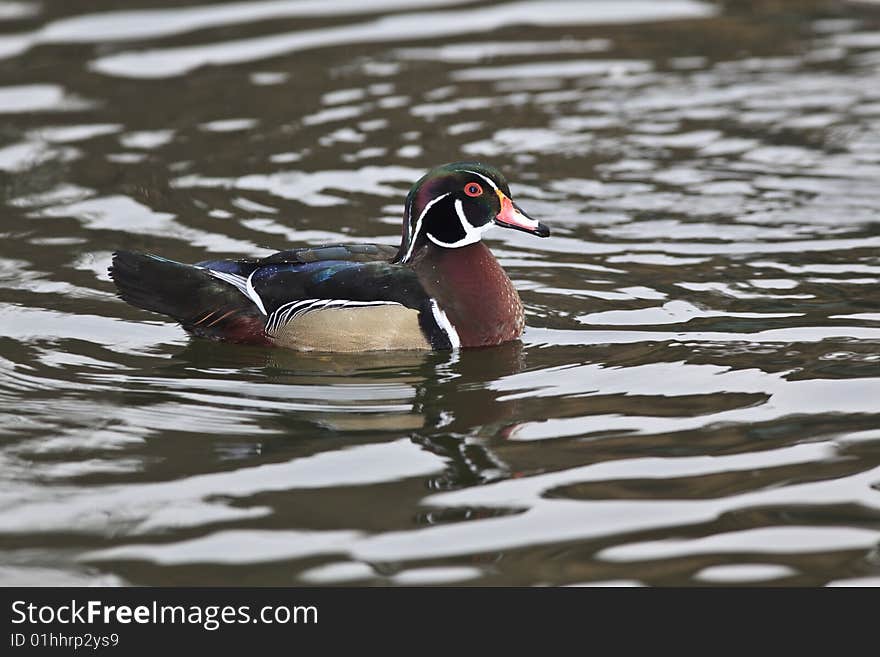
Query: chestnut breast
[(475, 292)]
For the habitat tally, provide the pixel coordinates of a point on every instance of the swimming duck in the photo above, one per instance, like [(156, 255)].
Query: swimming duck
[(441, 289)]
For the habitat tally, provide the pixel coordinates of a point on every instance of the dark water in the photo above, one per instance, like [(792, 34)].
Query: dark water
[(696, 398)]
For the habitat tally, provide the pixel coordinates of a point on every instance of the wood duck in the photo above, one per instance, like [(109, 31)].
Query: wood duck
[(441, 289)]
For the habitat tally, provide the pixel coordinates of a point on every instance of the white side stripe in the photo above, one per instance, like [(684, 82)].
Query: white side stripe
[(233, 279), (444, 323), (252, 293), (242, 284), (293, 309)]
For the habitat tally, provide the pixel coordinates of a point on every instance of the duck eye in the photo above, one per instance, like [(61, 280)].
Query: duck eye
[(473, 189)]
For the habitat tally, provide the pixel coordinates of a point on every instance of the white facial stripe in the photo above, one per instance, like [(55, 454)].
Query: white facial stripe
[(415, 233), (488, 180), (408, 216), (472, 233)]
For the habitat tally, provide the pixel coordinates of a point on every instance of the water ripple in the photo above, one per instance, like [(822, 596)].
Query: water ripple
[(694, 398)]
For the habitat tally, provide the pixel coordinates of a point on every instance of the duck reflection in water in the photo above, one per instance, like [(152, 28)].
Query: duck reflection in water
[(441, 400)]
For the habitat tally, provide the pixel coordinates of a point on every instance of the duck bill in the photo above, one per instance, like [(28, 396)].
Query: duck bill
[(511, 216)]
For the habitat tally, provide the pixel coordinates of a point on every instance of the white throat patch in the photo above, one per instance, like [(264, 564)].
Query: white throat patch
[(472, 234)]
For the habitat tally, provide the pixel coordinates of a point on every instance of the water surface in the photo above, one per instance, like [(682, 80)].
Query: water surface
[(694, 401)]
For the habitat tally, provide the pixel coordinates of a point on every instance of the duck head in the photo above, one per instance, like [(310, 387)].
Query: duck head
[(451, 206)]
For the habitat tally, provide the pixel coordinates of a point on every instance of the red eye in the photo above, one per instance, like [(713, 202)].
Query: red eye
[(473, 189)]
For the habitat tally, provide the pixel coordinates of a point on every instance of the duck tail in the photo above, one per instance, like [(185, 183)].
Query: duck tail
[(203, 305)]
